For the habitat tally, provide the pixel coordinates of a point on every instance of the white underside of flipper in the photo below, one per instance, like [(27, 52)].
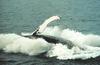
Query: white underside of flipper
[(43, 26)]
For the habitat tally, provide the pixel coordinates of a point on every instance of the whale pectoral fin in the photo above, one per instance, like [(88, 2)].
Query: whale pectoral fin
[(43, 26)]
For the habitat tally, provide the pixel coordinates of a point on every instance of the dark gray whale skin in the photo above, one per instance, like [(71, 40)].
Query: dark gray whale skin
[(52, 39)]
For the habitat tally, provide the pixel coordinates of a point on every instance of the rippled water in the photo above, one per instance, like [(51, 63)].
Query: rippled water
[(18, 16)]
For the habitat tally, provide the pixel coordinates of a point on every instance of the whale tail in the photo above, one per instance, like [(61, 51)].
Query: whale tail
[(43, 26)]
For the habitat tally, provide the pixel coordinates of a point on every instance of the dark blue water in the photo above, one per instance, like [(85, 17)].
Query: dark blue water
[(18, 16)]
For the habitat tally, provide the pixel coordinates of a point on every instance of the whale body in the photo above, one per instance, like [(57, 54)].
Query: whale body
[(50, 39)]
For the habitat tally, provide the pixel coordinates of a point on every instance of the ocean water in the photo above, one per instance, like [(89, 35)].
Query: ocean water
[(79, 23)]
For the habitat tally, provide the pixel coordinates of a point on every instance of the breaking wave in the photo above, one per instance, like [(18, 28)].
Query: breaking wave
[(86, 45)]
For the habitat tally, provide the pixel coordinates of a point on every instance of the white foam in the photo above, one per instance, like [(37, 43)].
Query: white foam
[(15, 43), (86, 45)]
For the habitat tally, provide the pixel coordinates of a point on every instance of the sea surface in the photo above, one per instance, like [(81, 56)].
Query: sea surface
[(80, 20)]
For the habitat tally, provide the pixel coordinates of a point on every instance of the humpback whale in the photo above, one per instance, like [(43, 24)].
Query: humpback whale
[(50, 39)]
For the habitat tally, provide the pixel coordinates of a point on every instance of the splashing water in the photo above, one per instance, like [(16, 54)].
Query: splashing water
[(15, 43), (86, 45)]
